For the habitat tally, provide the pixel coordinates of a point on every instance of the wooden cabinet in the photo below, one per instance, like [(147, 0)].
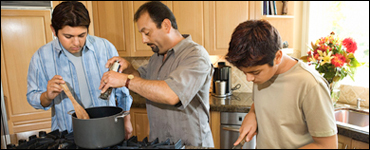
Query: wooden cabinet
[(344, 142), (23, 32), (215, 123), (359, 145), (190, 19), (209, 23), (140, 123), (112, 22), (224, 17), (349, 143)]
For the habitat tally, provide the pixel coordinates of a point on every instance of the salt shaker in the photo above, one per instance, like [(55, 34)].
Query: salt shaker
[(107, 93)]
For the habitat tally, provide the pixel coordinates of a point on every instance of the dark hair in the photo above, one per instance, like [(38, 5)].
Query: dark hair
[(253, 43), (157, 12), (71, 13)]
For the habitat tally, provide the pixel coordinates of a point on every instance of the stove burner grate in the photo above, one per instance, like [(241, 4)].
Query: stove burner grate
[(132, 143), (65, 140)]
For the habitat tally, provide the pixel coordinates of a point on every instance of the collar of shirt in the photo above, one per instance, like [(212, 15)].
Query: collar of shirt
[(57, 46), (180, 46)]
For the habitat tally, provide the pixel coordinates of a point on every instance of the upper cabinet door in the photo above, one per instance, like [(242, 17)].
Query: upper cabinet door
[(190, 19), (225, 16), (110, 22), (140, 49)]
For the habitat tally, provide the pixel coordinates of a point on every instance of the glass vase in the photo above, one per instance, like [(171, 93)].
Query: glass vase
[(334, 92)]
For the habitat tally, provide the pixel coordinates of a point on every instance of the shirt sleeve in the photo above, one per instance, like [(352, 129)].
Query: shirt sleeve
[(36, 83), (142, 71), (189, 77), (319, 112), (124, 99)]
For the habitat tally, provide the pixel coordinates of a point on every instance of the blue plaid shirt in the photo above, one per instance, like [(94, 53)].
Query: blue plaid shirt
[(50, 60)]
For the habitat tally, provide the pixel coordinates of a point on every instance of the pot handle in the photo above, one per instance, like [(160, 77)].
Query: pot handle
[(69, 112), (122, 116)]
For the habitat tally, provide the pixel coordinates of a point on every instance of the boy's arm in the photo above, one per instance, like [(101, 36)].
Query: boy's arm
[(330, 142), (248, 127)]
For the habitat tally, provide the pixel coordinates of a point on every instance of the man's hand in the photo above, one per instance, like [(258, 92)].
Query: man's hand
[(112, 79), (53, 89), (124, 64)]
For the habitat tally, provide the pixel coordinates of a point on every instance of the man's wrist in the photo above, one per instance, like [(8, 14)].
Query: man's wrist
[(129, 78)]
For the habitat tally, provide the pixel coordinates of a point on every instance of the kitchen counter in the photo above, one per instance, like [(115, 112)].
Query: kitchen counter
[(241, 102)]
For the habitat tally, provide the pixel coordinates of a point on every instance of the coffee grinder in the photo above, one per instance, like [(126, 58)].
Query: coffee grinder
[(222, 75)]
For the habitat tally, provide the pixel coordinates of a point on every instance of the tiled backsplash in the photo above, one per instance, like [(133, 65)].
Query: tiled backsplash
[(348, 94)]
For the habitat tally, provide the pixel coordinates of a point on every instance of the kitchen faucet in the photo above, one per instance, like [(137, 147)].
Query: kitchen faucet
[(359, 102)]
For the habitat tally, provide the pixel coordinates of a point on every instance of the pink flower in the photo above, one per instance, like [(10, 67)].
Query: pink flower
[(350, 44)]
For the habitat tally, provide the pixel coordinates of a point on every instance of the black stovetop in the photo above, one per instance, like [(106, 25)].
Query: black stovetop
[(65, 140)]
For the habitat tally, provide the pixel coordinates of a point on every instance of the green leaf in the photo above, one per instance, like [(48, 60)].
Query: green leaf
[(304, 58), (355, 63)]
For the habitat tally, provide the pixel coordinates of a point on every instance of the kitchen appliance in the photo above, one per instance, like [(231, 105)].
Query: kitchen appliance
[(229, 132), (222, 74), (104, 128), (65, 140)]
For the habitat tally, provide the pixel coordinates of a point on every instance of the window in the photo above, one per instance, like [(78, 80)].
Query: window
[(346, 19)]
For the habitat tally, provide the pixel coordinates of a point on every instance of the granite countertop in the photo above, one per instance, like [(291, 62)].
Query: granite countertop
[(241, 102)]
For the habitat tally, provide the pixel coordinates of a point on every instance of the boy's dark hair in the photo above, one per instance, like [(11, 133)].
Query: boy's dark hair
[(253, 43), (71, 13), (157, 12)]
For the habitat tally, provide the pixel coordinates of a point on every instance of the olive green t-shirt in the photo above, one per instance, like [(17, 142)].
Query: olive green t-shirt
[(292, 107)]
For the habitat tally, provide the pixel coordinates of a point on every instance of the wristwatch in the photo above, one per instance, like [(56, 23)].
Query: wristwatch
[(129, 77)]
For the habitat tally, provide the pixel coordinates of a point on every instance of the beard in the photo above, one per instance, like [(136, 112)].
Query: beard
[(155, 48)]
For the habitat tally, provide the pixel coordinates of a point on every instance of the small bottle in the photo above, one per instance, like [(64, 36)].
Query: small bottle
[(107, 93)]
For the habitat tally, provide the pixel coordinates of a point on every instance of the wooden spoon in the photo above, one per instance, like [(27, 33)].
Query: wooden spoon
[(80, 111)]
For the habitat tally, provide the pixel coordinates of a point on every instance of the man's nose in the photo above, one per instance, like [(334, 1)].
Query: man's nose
[(76, 41), (144, 39), (249, 77)]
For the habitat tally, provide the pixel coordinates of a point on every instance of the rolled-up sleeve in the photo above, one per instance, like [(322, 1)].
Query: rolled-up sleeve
[(189, 77), (36, 84)]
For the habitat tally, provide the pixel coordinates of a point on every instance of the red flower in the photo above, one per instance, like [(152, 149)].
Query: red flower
[(316, 56), (338, 60), (350, 44)]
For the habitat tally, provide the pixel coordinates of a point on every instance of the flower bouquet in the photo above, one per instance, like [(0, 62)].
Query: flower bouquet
[(333, 58)]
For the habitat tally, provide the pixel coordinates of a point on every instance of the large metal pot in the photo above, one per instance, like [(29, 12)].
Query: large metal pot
[(104, 128)]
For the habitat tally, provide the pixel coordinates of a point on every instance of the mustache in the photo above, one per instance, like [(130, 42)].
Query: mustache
[(150, 44)]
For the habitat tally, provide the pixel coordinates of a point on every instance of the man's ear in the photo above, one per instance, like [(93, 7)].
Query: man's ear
[(278, 57), (166, 25), (53, 30)]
